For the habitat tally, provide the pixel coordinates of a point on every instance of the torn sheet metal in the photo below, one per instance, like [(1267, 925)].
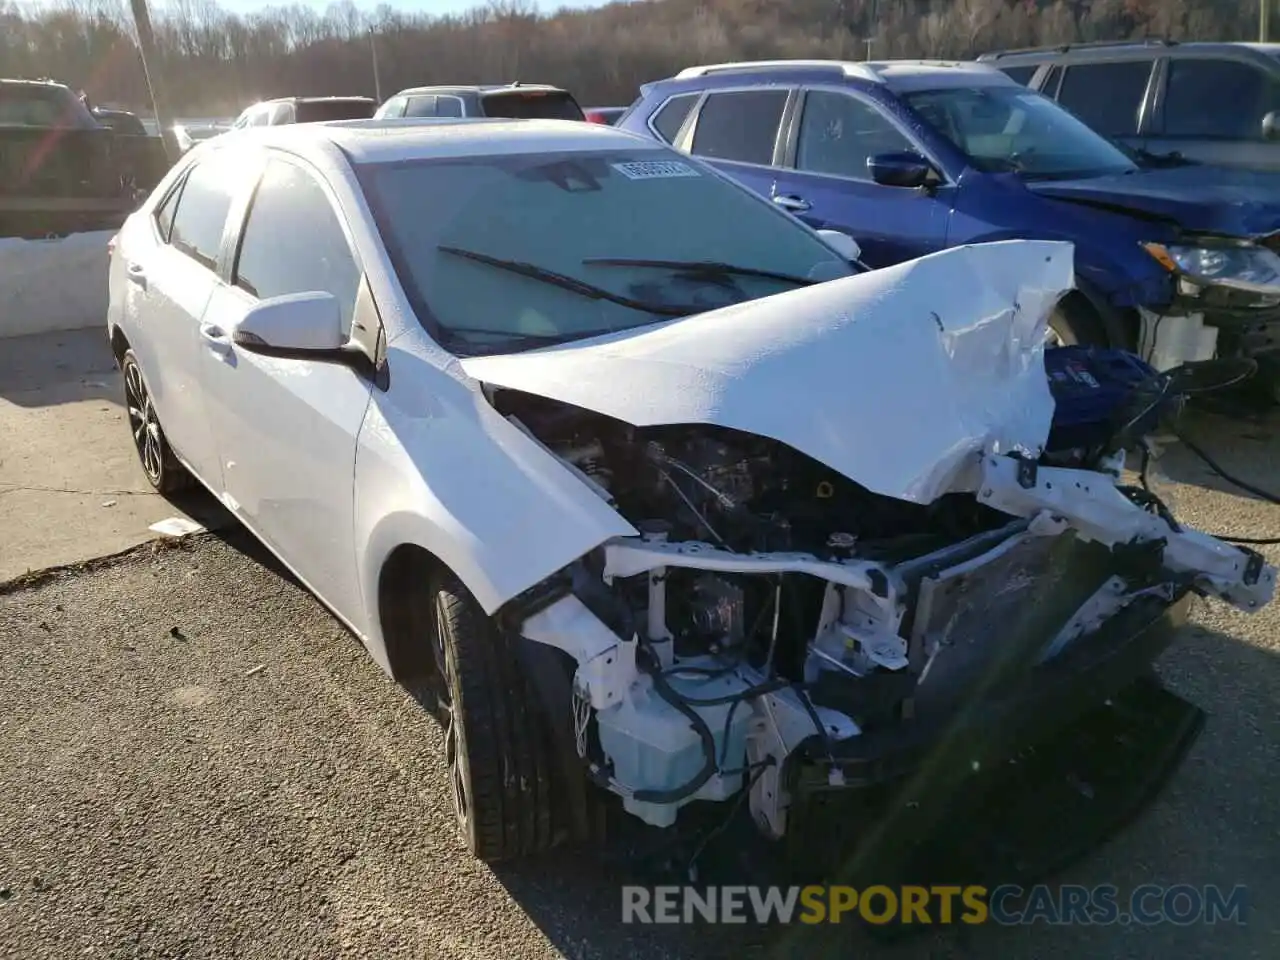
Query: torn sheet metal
[(895, 378)]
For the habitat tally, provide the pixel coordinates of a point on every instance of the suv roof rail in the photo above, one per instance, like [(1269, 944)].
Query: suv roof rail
[(845, 68), (1087, 45)]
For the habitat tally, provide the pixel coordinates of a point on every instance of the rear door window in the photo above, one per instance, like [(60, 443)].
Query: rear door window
[(1107, 96), (202, 209), (671, 115), (740, 125), (1217, 100), (532, 105)]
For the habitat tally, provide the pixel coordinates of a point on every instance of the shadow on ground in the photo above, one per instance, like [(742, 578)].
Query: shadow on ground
[(48, 369)]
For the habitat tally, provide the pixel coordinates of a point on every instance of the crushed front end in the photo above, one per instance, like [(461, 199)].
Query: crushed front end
[(778, 629), (863, 568)]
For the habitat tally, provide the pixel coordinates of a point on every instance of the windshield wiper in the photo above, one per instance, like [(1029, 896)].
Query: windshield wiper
[(701, 267), (534, 272), (520, 341)]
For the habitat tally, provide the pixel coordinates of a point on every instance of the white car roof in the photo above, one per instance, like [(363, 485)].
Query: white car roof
[(382, 141)]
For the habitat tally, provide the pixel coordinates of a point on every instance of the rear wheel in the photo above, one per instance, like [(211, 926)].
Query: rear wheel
[(498, 747), (162, 468)]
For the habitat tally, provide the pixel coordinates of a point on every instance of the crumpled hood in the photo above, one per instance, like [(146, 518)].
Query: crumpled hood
[(1199, 199), (895, 378)]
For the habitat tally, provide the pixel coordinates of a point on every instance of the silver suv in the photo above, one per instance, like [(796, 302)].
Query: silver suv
[(1210, 102)]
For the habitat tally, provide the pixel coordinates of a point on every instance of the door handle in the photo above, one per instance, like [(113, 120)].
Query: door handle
[(137, 273), (216, 339), (794, 204)]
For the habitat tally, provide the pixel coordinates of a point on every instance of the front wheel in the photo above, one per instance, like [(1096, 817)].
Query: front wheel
[(498, 747)]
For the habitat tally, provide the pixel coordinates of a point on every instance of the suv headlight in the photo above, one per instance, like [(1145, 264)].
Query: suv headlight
[(1238, 265)]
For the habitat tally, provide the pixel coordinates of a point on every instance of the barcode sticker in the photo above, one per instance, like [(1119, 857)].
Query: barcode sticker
[(654, 169)]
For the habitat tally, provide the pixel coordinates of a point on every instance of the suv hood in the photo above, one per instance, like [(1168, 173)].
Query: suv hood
[(1198, 199), (895, 378)]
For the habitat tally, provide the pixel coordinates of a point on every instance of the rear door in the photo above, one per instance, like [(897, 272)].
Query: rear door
[(286, 428), (1211, 110), (739, 133), (1111, 96), (827, 183), (169, 282)]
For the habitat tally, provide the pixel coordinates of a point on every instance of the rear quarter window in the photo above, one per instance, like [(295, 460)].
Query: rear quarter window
[(1021, 75)]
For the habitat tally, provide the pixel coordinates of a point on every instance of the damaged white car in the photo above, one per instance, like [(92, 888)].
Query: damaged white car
[(564, 426)]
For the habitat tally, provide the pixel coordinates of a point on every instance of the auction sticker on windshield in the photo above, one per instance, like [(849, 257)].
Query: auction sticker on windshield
[(654, 169)]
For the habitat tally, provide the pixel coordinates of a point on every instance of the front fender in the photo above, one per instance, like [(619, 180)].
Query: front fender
[(437, 467)]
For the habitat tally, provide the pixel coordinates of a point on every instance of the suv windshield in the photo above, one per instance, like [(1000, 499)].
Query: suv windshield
[(512, 252), (531, 105), (1011, 129)]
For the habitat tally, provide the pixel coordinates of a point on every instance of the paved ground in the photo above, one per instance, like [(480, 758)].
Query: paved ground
[(162, 797), (70, 486)]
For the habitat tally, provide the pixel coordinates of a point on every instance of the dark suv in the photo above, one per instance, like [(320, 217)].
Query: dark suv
[(511, 101), (1210, 102)]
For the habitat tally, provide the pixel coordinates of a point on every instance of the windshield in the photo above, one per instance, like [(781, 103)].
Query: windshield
[(512, 252), (1011, 129)]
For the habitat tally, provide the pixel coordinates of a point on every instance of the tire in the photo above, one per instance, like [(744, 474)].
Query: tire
[(161, 466), (498, 748), (1075, 323)]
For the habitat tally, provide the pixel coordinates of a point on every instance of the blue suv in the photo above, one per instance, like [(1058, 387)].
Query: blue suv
[(913, 157)]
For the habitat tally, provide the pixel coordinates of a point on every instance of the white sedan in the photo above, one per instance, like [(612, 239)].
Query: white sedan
[(565, 427)]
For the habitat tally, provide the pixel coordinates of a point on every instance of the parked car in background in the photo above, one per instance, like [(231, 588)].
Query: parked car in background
[(121, 121), (513, 101), (558, 421), (607, 115), (188, 135), (59, 172), (912, 157), (1209, 102), (285, 110)]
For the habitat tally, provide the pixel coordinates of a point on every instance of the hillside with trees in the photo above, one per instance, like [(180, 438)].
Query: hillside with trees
[(216, 62)]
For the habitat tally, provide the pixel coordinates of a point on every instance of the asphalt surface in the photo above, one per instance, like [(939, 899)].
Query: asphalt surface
[(196, 760)]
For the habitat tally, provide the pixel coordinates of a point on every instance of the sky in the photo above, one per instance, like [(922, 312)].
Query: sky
[(434, 7)]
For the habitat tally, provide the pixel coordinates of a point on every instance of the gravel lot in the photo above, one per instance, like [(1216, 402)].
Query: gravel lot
[(162, 797)]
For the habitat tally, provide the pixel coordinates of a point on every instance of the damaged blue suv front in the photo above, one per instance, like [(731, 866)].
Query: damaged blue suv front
[(1177, 263)]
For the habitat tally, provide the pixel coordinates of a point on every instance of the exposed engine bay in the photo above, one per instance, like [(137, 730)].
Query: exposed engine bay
[(770, 601)]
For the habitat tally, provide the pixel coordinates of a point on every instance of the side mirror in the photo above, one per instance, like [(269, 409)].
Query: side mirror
[(903, 169), (1271, 126), (294, 324), (841, 243)]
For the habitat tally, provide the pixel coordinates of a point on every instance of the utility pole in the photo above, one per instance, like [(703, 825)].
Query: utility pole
[(377, 80), (1264, 20), (155, 83)]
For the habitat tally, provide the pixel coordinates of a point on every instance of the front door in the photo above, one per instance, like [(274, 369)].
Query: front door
[(286, 428), (829, 186)]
